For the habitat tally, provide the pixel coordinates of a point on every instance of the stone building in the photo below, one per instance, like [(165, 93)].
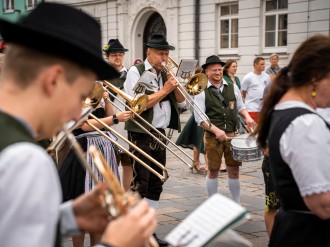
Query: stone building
[(239, 30)]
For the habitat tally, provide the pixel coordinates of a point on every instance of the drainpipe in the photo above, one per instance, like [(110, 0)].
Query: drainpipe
[(197, 12)]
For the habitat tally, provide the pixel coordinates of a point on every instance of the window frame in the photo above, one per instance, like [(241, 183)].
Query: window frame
[(6, 9), (276, 13), (230, 17), (34, 4)]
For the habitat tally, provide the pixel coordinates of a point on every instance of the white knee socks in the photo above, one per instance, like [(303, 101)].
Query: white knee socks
[(211, 186), (234, 188)]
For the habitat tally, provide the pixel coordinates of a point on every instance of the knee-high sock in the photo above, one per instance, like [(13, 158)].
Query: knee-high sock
[(152, 203), (234, 187), (211, 186)]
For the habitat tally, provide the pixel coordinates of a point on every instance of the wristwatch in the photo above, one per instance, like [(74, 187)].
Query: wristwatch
[(115, 119)]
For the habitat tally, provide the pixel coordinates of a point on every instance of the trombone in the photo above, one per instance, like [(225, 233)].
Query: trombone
[(138, 104), (194, 86), (151, 126), (94, 100), (163, 177)]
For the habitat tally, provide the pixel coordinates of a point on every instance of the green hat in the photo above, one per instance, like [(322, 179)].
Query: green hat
[(158, 41), (211, 60), (114, 45)]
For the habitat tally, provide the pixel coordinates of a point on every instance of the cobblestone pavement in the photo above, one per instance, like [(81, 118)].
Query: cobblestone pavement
[(184, 191)]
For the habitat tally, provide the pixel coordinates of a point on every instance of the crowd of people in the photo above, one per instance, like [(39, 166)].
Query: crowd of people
[(42, 89)]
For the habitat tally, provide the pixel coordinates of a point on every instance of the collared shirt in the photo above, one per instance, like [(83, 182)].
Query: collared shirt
[(305, 147), (200, 100), (162, 110), (30, 192), (122, 71)]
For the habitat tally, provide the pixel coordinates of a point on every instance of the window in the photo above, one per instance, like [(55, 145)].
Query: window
[(8, 5), (31, 4), (276, 23), (229, 26)]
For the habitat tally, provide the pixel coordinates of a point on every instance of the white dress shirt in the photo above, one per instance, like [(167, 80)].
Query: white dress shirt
[(162, 110), (200, 100)]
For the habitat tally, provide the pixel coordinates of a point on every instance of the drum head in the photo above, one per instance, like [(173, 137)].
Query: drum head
[(244, 141)]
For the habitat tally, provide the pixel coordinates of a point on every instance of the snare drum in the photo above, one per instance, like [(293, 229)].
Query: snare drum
[(245, 149)]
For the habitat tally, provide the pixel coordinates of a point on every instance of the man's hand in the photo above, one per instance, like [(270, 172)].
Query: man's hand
[(250, 123), (220, 135), (132, 229), (170, 84), (90, 215), (124, 116), (105, 96)]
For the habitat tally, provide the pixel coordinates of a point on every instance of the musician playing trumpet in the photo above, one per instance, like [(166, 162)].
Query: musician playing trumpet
[(162, 112)]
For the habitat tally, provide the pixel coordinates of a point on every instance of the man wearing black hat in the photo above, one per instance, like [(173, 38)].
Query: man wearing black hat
[(115, 53), (46, 75), (162, 112), (220, 101)]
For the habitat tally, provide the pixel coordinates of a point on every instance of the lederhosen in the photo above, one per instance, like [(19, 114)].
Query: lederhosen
[(12, 131), (294, 224), (146, 183)]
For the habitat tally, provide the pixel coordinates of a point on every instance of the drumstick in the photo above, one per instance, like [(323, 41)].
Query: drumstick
[(229, 138)]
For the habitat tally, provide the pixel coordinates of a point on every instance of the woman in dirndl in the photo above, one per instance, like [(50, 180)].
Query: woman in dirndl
[(298, 140), (75, 180)]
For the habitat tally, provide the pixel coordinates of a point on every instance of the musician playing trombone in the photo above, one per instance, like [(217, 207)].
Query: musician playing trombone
[(46, 75), (220, 101), (115, 54), (162, 112)]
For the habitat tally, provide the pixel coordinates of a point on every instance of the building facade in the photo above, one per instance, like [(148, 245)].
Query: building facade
[(240, 30), (12, 9)]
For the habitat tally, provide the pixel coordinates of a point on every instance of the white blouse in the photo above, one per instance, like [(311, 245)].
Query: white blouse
[(305, 147)]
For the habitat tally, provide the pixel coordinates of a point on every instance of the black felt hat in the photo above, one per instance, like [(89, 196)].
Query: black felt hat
[(114, 45), (63, 31), (211, 60), (158, 41)]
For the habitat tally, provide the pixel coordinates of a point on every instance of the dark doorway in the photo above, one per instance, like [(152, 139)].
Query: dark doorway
[(155, 24)]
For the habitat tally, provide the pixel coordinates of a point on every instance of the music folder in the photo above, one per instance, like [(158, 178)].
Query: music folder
[(216, 216)]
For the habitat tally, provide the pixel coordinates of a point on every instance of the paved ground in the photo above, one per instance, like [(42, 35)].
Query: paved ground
[(184, 191)]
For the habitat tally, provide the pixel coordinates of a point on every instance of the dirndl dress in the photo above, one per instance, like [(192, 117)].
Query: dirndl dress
[(75, 180)]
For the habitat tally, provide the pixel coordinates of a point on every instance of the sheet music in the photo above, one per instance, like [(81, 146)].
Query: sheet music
[(144, 83), (186, 68), (214, 216)]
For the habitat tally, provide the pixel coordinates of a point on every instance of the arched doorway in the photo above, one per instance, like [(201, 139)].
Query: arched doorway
[(155, 24)]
